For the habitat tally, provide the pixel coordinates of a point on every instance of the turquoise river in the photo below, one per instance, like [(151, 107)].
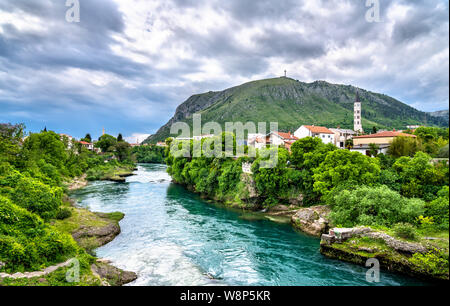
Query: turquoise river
[(172, 237)]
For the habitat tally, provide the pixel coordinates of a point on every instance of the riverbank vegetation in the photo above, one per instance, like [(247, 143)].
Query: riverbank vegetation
[(34, 210), (149, 154), (407, 191)]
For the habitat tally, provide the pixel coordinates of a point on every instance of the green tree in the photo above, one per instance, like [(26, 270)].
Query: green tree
[(123, 150), (10, 140), (349, 144), (374, 206), (373, 149), (301, 147), (439, 209), (106, 143), (347, 168), (404, 146), (119, 137), (419, 178), (87, 138)]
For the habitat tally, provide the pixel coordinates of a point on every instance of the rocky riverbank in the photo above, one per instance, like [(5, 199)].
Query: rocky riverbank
[(92, 230), (312, 220), (423, 259)]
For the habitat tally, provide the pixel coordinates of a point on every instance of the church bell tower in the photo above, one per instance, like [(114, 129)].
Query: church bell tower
[(357, 125)]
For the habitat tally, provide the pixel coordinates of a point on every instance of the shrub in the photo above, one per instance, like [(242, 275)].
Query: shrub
[(434, 262), (405, 231), (26, 242), (63, 213), (439, 209), (342, 166), (374, 206), (37, 197)]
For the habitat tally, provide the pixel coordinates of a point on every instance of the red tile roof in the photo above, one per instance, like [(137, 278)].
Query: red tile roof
[(318, 129), (386, 134), (286, 136), (85, 143)]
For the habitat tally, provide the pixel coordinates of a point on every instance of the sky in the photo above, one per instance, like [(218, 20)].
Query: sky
[(127, 64)]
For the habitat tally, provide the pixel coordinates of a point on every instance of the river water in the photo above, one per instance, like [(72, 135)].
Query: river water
[(172, 237)]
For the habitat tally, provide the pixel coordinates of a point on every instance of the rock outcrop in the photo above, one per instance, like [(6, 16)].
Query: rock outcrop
[(110, 275), (339, 235), (312, 220)]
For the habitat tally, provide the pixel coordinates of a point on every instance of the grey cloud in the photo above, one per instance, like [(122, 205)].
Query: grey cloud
[(291, 34)]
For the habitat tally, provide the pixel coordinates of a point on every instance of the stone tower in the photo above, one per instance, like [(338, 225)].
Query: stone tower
[(357, 127)]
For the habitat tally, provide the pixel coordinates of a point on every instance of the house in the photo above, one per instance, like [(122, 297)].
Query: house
[(69, 140), (203, 136), (321, 132), (87, 145), (281, 139), (341, 136), (247, 168), (161, 144), (258, 142), (382, 140)]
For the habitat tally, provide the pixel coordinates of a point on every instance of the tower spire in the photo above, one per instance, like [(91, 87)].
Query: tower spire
[(357, 122)]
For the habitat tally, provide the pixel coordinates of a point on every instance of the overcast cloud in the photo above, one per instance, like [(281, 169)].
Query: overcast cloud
[(129, 63)]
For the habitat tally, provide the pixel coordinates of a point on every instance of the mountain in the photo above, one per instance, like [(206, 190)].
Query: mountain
[(292, 103), (442, 114)]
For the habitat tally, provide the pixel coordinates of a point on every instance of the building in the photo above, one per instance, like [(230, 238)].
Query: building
[(69, 140), (203, 136), (321, 132), (341, 136), (382, 140), (281, 139), (161, 144), (413, 127), (87, 145), (358, 115), (258, 142)]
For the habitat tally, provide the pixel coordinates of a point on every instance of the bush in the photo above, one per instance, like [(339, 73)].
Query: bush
[(345, 167), (37, 197), (374, 206), (439, 209), (63, 213), (434, 262), (27, 243), (405, 231)]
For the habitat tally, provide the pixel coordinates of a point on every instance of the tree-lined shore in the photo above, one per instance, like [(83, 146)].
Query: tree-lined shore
[(40, 226), (402, 193)]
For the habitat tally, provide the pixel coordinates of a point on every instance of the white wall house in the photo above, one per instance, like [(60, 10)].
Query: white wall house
[(87, 145), (258, 142), (321, 132), (203, 136), (281, 139), (341, 136)]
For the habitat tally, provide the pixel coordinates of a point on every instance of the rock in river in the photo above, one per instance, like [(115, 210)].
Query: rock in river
[(312, 220)]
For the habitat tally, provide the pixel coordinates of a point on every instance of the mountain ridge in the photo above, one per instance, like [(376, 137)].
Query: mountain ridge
[(293, 103)]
